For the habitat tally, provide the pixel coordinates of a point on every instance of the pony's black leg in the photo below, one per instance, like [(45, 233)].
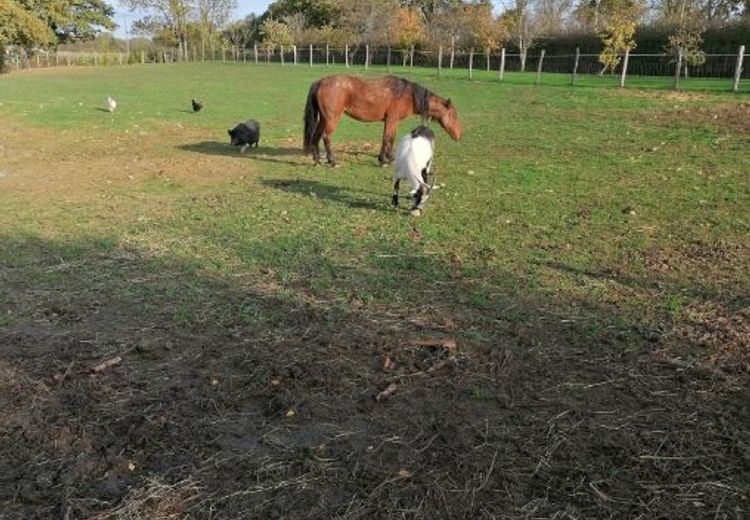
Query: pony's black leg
[(394, 199), (417, 202)]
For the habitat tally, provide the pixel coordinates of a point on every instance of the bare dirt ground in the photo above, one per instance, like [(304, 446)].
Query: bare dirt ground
[(111, 409)]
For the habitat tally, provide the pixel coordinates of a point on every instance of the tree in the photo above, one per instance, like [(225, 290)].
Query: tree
[(329, 35), (406, 29), (485, 32), (617, 21), (239, 34), (367, 21), (689, 22), (447, 26), (211, 16), (30, 23), (552, 15), (523, 27), (172, 14), (275, 34), (316, 13), (296, 23), (83, 20), (19, 26)]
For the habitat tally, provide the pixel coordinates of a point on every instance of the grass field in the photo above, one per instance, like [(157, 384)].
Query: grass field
[(568, 321)]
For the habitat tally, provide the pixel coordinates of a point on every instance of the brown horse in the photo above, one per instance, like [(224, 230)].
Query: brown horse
[(389, 99)]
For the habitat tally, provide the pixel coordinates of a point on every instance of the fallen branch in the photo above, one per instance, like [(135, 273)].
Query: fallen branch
[(389, 391), (106, 364)]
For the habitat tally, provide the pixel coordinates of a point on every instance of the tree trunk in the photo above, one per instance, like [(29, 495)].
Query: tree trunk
[(678, 65)]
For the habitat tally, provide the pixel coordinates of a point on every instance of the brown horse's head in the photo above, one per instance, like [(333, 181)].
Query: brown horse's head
[(444, 112)]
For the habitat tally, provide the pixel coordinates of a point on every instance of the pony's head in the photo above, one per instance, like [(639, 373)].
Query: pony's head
[(444, 112)]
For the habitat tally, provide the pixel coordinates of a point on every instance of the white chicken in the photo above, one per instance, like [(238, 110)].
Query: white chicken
[(111, 104)]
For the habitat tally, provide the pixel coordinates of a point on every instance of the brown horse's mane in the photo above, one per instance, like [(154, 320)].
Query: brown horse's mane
[(420, 95)]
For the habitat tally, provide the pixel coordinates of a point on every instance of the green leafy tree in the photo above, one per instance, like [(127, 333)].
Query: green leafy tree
[(171, 14), (275, 35), (211, 16), (688, 20), (30, 23), (617, 21), (316, 13)]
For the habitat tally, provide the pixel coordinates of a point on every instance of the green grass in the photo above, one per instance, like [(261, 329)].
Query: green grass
[(532, 220)]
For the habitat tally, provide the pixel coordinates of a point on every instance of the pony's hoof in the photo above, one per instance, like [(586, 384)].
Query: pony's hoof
[(415, 212)]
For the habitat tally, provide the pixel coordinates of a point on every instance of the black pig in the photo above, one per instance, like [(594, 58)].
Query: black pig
[(245, 134)]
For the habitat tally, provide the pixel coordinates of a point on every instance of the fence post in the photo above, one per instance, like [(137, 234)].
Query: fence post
[(244, 55), (453, 51), (440, 60), (677, 70), (624, 67), (488, 58), (255, 52), (328, 60), (575, 66), (346, 55), (539, 68), (367, 55), (388, 59), (294, 49), (281, 54), (411, 57), (471, 63), (501, 70), (738, 69), (311, 55)]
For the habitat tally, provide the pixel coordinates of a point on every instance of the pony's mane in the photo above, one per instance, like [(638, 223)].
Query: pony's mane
[(420, 95)]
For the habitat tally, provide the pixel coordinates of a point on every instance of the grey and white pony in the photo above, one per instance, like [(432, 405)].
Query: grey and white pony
[(413, 163)]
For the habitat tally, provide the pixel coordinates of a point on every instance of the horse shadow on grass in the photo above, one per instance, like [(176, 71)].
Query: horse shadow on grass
[(337, 194), (278, 154)]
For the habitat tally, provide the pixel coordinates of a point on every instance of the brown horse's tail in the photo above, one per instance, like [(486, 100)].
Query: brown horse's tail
[(312, 114)]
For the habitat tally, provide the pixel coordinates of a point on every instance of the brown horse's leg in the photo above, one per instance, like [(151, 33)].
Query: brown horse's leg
[(389, 134), (316, 143), (329, 126)]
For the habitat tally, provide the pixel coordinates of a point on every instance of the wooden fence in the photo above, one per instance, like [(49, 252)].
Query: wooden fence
[(733, 67)]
